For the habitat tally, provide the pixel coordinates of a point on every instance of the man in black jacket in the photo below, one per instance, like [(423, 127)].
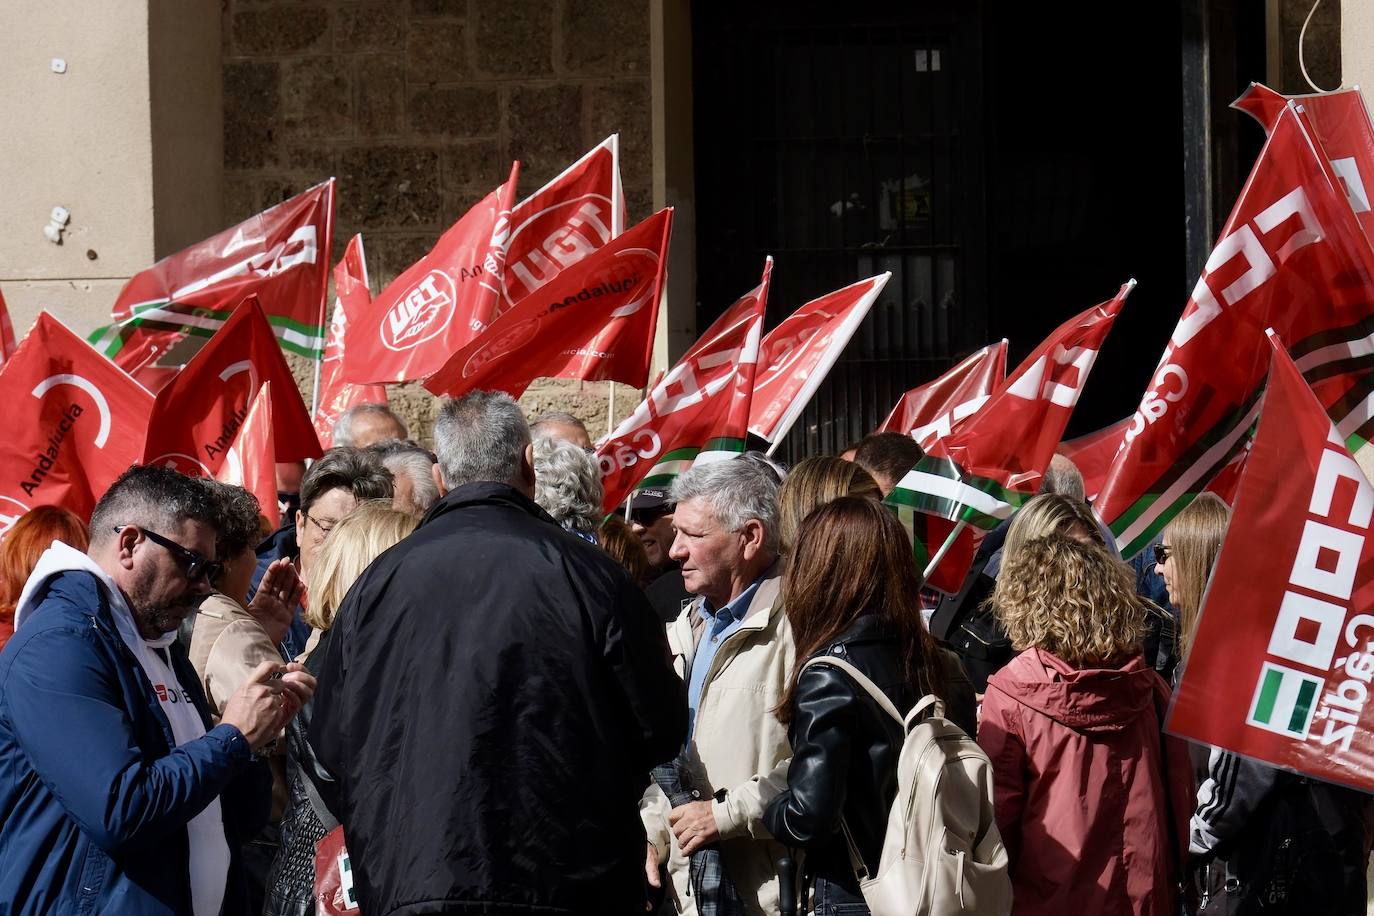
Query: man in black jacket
[(493, 695)]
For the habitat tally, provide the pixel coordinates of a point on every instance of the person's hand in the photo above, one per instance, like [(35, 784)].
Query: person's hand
[(299, 684), (264, 704), (651, 872), (274, 603), (694, 825)]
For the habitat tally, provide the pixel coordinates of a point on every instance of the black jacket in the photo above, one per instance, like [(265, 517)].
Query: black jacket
[(491, 700), (844, 757)]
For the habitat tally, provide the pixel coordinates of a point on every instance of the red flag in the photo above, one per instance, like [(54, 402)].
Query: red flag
[(595, 321), (76, 422), (564, 221), (7, 342), (197, 416), (1291, 257), (935, 408), (336, 395), (699, 411), (439, 303), (249, 462), (1340, 122), (976, 476), (1092, 454), (797, 355), (281, 256), (1282, 659)]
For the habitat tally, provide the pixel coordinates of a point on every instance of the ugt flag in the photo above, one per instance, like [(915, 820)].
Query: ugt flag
[(199, 413), (438, 304), (1092, 454), (281, 256), (934, 409), (1291, 257), (1343, 131), (594, 321), (699, 411), (75, 422), (249, 462), (564, 221), (1283, 658), (976, 476), (350, 295), (796, 356)]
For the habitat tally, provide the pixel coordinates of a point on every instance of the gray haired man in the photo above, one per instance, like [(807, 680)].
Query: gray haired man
[(365, 424), (734, 649), (499, 689)]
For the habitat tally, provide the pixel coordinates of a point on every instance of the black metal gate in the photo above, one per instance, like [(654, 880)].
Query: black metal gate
[(845, 143)]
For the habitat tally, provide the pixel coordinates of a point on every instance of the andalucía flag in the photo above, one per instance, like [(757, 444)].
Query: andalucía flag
[(698, 412), (281, 256), (975, 477)]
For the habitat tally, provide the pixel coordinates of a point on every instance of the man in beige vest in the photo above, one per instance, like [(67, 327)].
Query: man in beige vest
[(734, 649)]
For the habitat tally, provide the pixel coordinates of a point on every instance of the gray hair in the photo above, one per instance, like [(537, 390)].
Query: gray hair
[(356, 470), (1064, 478), (401, 456), (480, 437), (567, 484), (551, 417), (735, 492), (343, 427), (156, 498)]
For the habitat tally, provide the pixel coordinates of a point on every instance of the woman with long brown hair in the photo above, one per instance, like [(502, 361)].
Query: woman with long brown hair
[(24, 543), (851, 591)]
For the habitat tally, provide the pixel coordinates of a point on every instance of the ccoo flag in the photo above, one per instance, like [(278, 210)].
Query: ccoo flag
[(699, 411), (351, 296), (75, 423), (249, 462), (281, 256), (934, 409), (7, 341), (1283, 658), (795, 357), (1291, 257), (199, 413), (438, 304), (976, 476), (594, 321)]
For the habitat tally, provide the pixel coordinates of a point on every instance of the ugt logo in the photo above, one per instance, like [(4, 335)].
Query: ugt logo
[(421, 314)]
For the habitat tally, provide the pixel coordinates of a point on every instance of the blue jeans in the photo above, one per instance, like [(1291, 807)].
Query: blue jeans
[(829, 899)]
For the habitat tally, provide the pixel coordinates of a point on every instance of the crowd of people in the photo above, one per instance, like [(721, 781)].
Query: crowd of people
[(503, 702)]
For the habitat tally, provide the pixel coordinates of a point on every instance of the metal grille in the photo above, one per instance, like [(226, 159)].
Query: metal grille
[(844, 149)]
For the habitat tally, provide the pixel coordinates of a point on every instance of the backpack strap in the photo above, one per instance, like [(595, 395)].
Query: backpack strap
[(859, 678), (928, 704)]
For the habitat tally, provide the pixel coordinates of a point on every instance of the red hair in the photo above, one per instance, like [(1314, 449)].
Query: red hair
[(24, 544)]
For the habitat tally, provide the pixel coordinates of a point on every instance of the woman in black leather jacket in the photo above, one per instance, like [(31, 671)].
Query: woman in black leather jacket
[(851, 591)]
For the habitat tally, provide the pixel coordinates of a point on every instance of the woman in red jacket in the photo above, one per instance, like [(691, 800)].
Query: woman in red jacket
[(1093, 808)]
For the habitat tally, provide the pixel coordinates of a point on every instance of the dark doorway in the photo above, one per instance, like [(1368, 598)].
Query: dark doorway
[(1011, 164)]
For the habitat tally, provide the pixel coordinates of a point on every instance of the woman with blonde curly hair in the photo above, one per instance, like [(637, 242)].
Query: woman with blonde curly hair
[(1092, 807)]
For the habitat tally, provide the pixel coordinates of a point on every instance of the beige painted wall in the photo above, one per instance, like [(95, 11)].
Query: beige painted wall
[(85, 140), (1357, 44)]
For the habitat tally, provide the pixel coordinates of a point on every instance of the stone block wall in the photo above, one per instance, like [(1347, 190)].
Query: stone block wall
[(418, 108)]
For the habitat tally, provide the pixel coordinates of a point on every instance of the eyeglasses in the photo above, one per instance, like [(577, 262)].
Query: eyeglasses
[(325, 525), (195, 566), (1162, 553)]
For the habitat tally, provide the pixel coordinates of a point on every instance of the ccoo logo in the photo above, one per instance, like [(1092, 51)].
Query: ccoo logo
[(182, 464), (10, 511), (102, 404), (421, 314)]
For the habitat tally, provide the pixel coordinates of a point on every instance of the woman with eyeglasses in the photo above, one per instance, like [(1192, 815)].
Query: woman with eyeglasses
[(356, 541), (1262, 839)]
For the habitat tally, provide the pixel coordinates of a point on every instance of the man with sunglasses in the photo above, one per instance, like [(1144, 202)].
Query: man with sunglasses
[(120, 797), (651, 520)]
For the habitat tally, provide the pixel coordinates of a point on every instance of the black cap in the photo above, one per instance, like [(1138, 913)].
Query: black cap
[(650, 498)]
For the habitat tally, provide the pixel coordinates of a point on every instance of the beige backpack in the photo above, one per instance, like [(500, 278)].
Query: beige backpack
[(942, 853)]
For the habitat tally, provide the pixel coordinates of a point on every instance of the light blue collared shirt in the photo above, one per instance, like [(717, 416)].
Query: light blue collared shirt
[(720, 624)]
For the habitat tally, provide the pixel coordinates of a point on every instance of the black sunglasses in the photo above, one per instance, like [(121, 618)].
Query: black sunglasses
[(647, 517), (196, 566), (1161, 553)]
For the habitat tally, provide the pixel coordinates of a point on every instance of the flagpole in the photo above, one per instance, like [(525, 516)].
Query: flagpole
[(773, 447), (610, 408), (944, 549)]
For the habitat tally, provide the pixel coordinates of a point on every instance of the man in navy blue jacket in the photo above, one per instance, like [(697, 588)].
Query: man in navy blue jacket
[(116, 795)]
